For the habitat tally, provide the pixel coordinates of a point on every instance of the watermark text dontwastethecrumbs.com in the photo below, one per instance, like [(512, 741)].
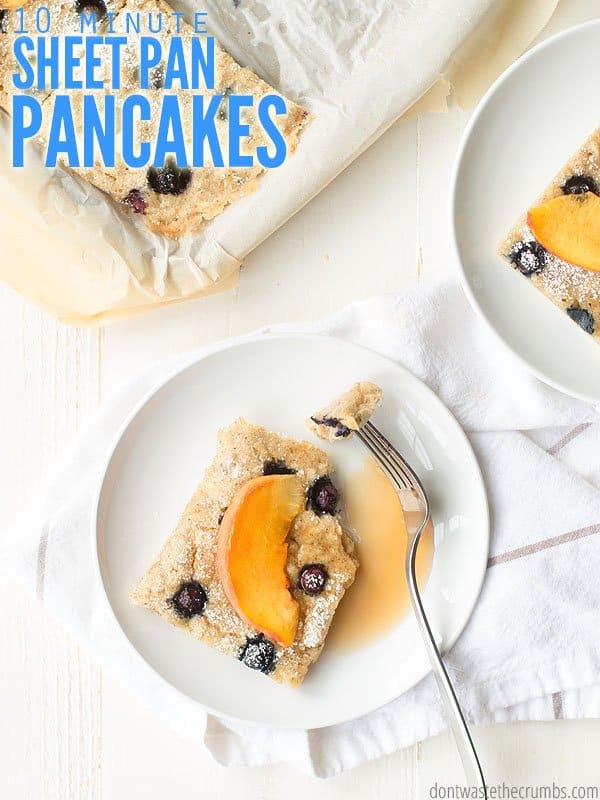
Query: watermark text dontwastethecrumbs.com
[(505, 791)]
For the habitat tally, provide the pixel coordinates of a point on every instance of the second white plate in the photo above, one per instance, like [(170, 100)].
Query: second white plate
[(277, 381), (526, 127)]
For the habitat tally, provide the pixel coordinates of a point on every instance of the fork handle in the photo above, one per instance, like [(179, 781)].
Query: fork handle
[(460, 730)]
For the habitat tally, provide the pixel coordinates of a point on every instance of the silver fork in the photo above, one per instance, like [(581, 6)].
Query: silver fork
[(404, 478)]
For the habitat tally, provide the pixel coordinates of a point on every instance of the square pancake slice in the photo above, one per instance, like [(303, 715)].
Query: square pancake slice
[(556, 245), (185, 586)]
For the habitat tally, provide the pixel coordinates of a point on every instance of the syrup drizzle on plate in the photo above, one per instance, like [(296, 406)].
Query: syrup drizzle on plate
[(379, 596)]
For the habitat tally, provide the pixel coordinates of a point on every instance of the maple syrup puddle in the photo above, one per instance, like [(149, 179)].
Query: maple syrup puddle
[(379, 597)]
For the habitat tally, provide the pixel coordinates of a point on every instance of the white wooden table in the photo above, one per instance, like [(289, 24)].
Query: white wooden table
[(67, 730)]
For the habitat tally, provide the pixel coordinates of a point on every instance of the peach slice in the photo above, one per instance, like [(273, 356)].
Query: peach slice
[(252, 554), (569, 227)]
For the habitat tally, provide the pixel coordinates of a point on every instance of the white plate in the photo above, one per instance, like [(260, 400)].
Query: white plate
[(278, 381), (527, 126)]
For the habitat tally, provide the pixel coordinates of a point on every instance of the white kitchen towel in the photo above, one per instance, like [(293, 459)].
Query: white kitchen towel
[(532, 647)]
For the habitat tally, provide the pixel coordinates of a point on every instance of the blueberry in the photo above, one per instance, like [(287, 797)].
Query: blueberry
[(258, 653), (529, 257), (332, 422), (135, 200), (190, 600), (277, 467), (96, 7), (3, 20), (156, 77), (323, 496), (313, 578), (579, 184), (169, 179), (583, 318)]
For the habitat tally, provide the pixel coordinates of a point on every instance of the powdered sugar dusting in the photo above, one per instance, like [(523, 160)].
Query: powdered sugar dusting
[(320, 615), (529, 261), (566, 283)]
